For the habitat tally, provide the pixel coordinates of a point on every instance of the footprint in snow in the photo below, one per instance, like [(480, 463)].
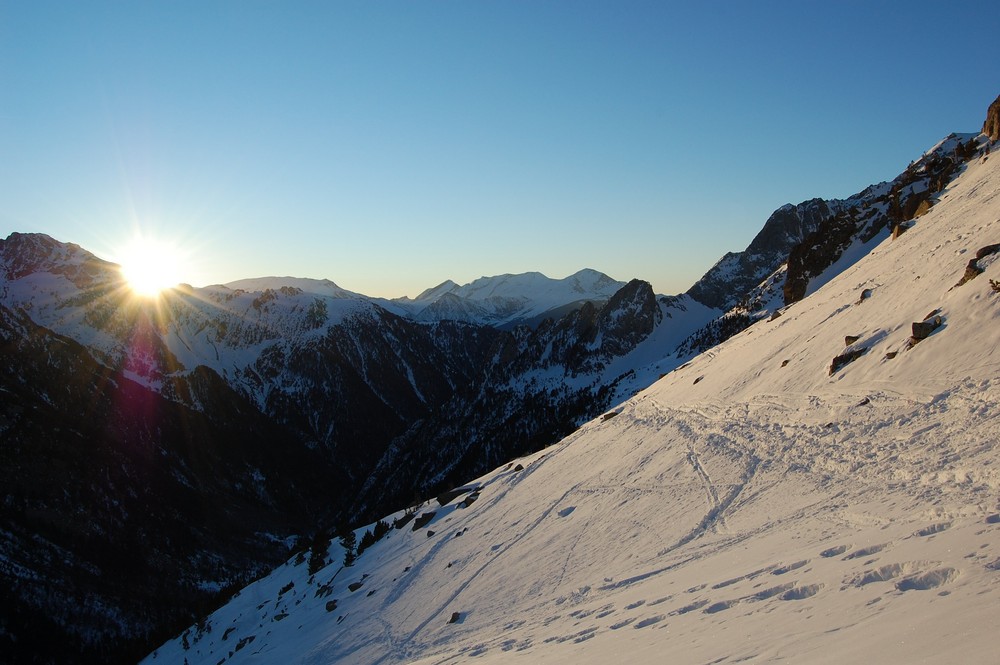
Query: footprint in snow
[(802, 592), (834, 551), (773, 591), (932, 529), (581, 636), (697, 605), (622, 623), (720, 606), (607, 610), (866, 551), (932, 579), (650, 621), (790, 567), (910, 570)]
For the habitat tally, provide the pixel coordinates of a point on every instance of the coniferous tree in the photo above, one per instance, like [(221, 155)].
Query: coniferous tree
[(347, 541), (318, 552)]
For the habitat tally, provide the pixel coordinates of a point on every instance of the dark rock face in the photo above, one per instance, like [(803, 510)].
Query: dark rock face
[(366, 382), (729, 324), (629, 317), (422, 520), (735, 274), (817, 252), (908, 196), (991, 127), (811, 237)]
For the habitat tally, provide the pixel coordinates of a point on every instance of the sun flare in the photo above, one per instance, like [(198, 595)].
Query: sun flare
[(150, 266)]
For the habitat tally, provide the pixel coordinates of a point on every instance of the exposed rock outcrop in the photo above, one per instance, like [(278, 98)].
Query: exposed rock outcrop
[(992, 125), (923, 329), (736, 273), (890, 205), (973, 269), (628, 318)]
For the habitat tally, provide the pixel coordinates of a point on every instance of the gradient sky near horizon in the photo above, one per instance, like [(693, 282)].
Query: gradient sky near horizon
[(389, 146)]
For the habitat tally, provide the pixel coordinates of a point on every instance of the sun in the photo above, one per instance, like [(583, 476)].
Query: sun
[(150, 266)]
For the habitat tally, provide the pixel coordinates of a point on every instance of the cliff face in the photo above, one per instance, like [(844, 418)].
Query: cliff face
[(725, 284), (992, 125)]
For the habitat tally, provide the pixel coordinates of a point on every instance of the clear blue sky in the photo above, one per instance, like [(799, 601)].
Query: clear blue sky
[(389, 146)]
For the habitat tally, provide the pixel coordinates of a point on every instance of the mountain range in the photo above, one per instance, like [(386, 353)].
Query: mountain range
[(160, 457)]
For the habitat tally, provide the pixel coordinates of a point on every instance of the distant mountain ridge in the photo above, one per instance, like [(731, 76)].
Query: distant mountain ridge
[(508, 300), (322, 287), (502, 301)]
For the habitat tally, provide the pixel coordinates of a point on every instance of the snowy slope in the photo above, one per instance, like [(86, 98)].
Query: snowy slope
[(656, 354), (509, 299), (751, 506)]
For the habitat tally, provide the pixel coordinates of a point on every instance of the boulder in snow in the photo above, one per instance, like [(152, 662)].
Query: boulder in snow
[(422, 521), (923, 329), (846, 358)]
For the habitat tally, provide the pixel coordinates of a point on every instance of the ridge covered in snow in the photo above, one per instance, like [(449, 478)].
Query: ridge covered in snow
[(507, 300), (824, 486), (323, 287)]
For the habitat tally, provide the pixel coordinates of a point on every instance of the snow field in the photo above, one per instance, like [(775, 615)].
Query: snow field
[(682, 540)]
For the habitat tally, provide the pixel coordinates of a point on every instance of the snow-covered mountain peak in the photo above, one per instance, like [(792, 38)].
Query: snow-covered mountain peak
[(589, 280), (435, 292), (23, 254), (509, 299), (323, 287)]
